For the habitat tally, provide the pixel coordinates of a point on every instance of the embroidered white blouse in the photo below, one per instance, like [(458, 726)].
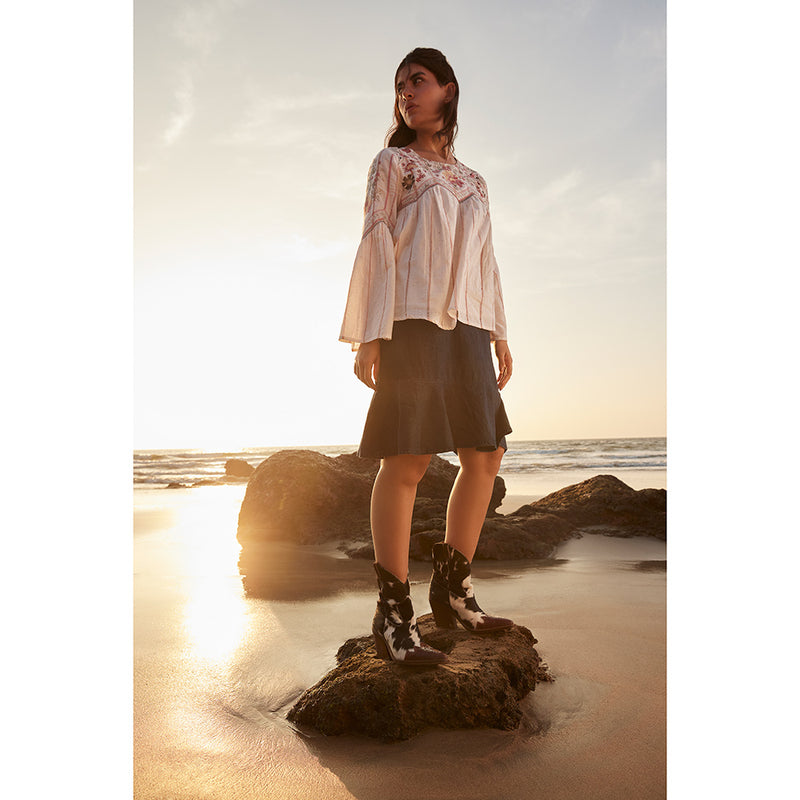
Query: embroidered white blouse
[(426, 250)]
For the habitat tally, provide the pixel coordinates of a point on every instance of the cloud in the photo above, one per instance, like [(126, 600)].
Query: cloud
[(278, 120), (197, 24), (184, 111), (584, 229)]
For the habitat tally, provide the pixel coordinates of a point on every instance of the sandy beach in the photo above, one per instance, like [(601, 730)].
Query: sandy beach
[(216, 670)]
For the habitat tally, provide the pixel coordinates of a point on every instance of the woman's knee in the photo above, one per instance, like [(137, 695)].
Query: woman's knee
[(482, 461), (406, 468)]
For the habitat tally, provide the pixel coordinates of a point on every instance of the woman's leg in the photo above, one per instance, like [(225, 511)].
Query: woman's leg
[(470, 496), (391, 508), (451, 595)]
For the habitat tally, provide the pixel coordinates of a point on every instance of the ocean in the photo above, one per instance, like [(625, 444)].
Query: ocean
[(549, 461)]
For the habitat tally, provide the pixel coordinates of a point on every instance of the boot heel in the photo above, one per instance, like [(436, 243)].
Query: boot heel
[(381, 648), (443, 615)]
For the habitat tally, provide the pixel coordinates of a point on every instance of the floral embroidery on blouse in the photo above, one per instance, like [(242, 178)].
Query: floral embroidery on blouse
[(420, 173), (372, 180)]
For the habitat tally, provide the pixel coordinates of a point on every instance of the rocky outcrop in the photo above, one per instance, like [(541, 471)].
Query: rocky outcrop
[(604, 504), (238, 468), (305, 497), (480, 687)]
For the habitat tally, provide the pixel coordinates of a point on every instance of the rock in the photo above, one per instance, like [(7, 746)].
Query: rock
[(422, 542), (506, 538), (307, 497), (238, 468), (481, 687), (604, 504), (502, 539)]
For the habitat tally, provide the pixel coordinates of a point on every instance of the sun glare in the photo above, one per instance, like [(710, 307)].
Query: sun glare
[(215, 618)]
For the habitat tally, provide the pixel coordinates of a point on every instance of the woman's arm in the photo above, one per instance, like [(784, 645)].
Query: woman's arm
[(367, 364), (504, 362)]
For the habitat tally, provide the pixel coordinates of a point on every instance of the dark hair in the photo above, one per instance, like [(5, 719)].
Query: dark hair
[(399, 133)]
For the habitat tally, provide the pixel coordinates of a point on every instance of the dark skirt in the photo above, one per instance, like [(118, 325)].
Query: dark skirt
[(437, 391)]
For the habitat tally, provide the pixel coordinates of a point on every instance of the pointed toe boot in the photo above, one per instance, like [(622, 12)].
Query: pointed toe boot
[(451, 595), (394, 626)]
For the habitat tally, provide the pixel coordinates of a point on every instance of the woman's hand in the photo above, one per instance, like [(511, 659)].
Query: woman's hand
[(504, 362), (368, 359)]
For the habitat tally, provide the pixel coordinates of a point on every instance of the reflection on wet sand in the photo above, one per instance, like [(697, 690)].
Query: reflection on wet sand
[(281, 571)]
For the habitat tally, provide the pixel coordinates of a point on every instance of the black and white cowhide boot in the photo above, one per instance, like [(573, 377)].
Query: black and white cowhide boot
[(451, 596), (395, 624)]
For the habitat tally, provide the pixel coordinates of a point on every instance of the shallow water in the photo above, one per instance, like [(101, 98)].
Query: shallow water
[(216, 670)]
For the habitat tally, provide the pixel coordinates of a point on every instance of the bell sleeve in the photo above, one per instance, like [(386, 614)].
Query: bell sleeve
[(491, 273), (369, 312)]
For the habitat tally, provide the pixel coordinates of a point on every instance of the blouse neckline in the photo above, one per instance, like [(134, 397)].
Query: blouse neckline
[(407, 149)]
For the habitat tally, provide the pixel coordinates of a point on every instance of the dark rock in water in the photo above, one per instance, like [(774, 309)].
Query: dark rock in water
[(307, 497), (481, 687), (604, 504), (238, 468)]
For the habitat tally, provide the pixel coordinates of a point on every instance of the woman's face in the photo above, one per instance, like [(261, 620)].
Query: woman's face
[(420, 98)]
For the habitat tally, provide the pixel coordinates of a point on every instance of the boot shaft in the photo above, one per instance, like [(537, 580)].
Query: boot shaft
[(451, 595), (452, 569), (394, 596)]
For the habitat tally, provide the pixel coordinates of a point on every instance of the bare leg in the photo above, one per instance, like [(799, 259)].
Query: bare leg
[(469, 498), (391, 508)]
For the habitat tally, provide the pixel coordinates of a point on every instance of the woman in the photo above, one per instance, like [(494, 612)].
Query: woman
[(424, 303)]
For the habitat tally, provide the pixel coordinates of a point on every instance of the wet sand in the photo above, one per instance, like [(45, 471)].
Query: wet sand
[(216, 670)]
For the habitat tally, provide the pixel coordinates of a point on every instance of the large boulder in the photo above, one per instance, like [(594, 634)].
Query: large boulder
[(305, 497), (480, 687), (604, 504)]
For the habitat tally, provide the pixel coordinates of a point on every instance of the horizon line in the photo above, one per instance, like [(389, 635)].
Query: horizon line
[(355, 445)]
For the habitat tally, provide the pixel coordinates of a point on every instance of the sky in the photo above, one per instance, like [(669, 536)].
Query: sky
[(255, 125)]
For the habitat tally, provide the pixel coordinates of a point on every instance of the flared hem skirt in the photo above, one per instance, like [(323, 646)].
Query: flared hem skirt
[(436, 392)]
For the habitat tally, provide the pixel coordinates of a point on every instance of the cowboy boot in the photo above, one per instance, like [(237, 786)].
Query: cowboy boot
[(394, 626), (451, 596)]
